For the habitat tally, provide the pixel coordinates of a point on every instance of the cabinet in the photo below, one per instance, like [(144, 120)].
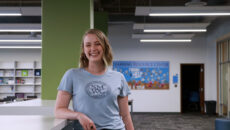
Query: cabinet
[(20, 79)]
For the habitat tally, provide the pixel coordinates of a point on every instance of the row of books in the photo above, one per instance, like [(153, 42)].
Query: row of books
[(6, 73), (22, 73), (6, 81)]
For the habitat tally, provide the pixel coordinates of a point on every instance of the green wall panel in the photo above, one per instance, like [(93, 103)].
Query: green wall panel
[(63, 24), (101, 21)]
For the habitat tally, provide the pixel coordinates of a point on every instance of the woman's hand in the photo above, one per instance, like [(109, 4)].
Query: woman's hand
[(86, 122)]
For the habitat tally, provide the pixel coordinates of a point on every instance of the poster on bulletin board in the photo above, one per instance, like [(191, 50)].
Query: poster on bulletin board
[(144, 75)]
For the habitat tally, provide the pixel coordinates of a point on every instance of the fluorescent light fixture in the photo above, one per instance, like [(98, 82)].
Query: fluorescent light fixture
[(165, 40), (20, 30), (20, 40), (21, 47), (189, 14), (175, 30), (10, 14)]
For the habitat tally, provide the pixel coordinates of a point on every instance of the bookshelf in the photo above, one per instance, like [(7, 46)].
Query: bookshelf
[(20, 79)]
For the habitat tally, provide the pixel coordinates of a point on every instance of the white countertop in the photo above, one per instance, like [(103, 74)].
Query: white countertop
[(33, 114), (12, 122), (33, 102), (30, 107)]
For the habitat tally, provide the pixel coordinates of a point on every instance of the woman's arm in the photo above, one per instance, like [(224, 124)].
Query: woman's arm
[(62, 104), (124, 112), (62, 111)]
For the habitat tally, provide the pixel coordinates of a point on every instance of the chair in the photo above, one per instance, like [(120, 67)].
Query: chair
[(222, 124), (194, 100)]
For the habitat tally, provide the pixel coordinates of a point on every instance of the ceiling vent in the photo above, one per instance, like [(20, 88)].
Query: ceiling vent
[(195, 3)]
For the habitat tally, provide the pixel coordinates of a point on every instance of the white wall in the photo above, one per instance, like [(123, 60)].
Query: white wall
[(126, 48)]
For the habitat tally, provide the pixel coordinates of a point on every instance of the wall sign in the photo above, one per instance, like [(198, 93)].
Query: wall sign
[(175, 78)]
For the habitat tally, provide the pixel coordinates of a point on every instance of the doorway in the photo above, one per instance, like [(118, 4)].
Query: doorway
[(192, 88)]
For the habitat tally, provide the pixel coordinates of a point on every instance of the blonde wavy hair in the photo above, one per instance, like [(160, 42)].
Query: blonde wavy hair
[(107, 50)]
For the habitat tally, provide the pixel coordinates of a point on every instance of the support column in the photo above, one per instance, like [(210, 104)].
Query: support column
[(63, 24)]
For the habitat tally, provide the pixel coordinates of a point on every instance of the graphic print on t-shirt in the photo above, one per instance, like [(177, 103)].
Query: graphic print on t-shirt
[(97, 89)]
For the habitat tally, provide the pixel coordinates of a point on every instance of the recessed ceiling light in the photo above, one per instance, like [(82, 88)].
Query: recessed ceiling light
[(189, 14), (20, 40), (10, 14), (20, 30), (165, 40), (20, 47), (175, 30)]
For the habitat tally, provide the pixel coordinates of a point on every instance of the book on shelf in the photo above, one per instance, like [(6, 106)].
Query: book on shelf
[(1, 80), (19, 95), (9, 73), (31, 97), (18, 73), (37, 72), (20, 81), (11, 81), (30, 73), (24, 72), (1, 73), (6, 81)]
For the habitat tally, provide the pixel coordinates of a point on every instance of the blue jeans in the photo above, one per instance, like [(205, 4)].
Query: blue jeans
[(77, 125)]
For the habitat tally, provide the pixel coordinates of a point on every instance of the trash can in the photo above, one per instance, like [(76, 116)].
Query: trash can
[(210, 107)]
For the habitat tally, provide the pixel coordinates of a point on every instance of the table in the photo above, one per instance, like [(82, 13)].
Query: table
[(130, 102)]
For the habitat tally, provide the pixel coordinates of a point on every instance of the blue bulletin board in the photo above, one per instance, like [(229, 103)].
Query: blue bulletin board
[(142, 75)]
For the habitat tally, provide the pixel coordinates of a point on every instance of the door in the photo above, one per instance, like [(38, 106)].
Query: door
[(192, 88)]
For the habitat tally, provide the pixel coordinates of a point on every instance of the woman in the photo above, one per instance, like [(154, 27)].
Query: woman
[(100, 95)]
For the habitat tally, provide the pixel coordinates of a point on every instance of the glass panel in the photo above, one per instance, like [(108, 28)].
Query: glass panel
[(224, 88), (218, 53), (228, 92), (224, 51), (228, 50), (223, 59)]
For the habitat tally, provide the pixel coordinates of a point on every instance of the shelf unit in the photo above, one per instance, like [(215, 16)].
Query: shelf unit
[(20, 79)]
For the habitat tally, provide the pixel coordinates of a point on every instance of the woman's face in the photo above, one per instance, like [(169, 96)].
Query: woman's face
[(92, 48)]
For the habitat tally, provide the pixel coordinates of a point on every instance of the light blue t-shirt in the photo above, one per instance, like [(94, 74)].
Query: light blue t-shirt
[(96, 95)]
